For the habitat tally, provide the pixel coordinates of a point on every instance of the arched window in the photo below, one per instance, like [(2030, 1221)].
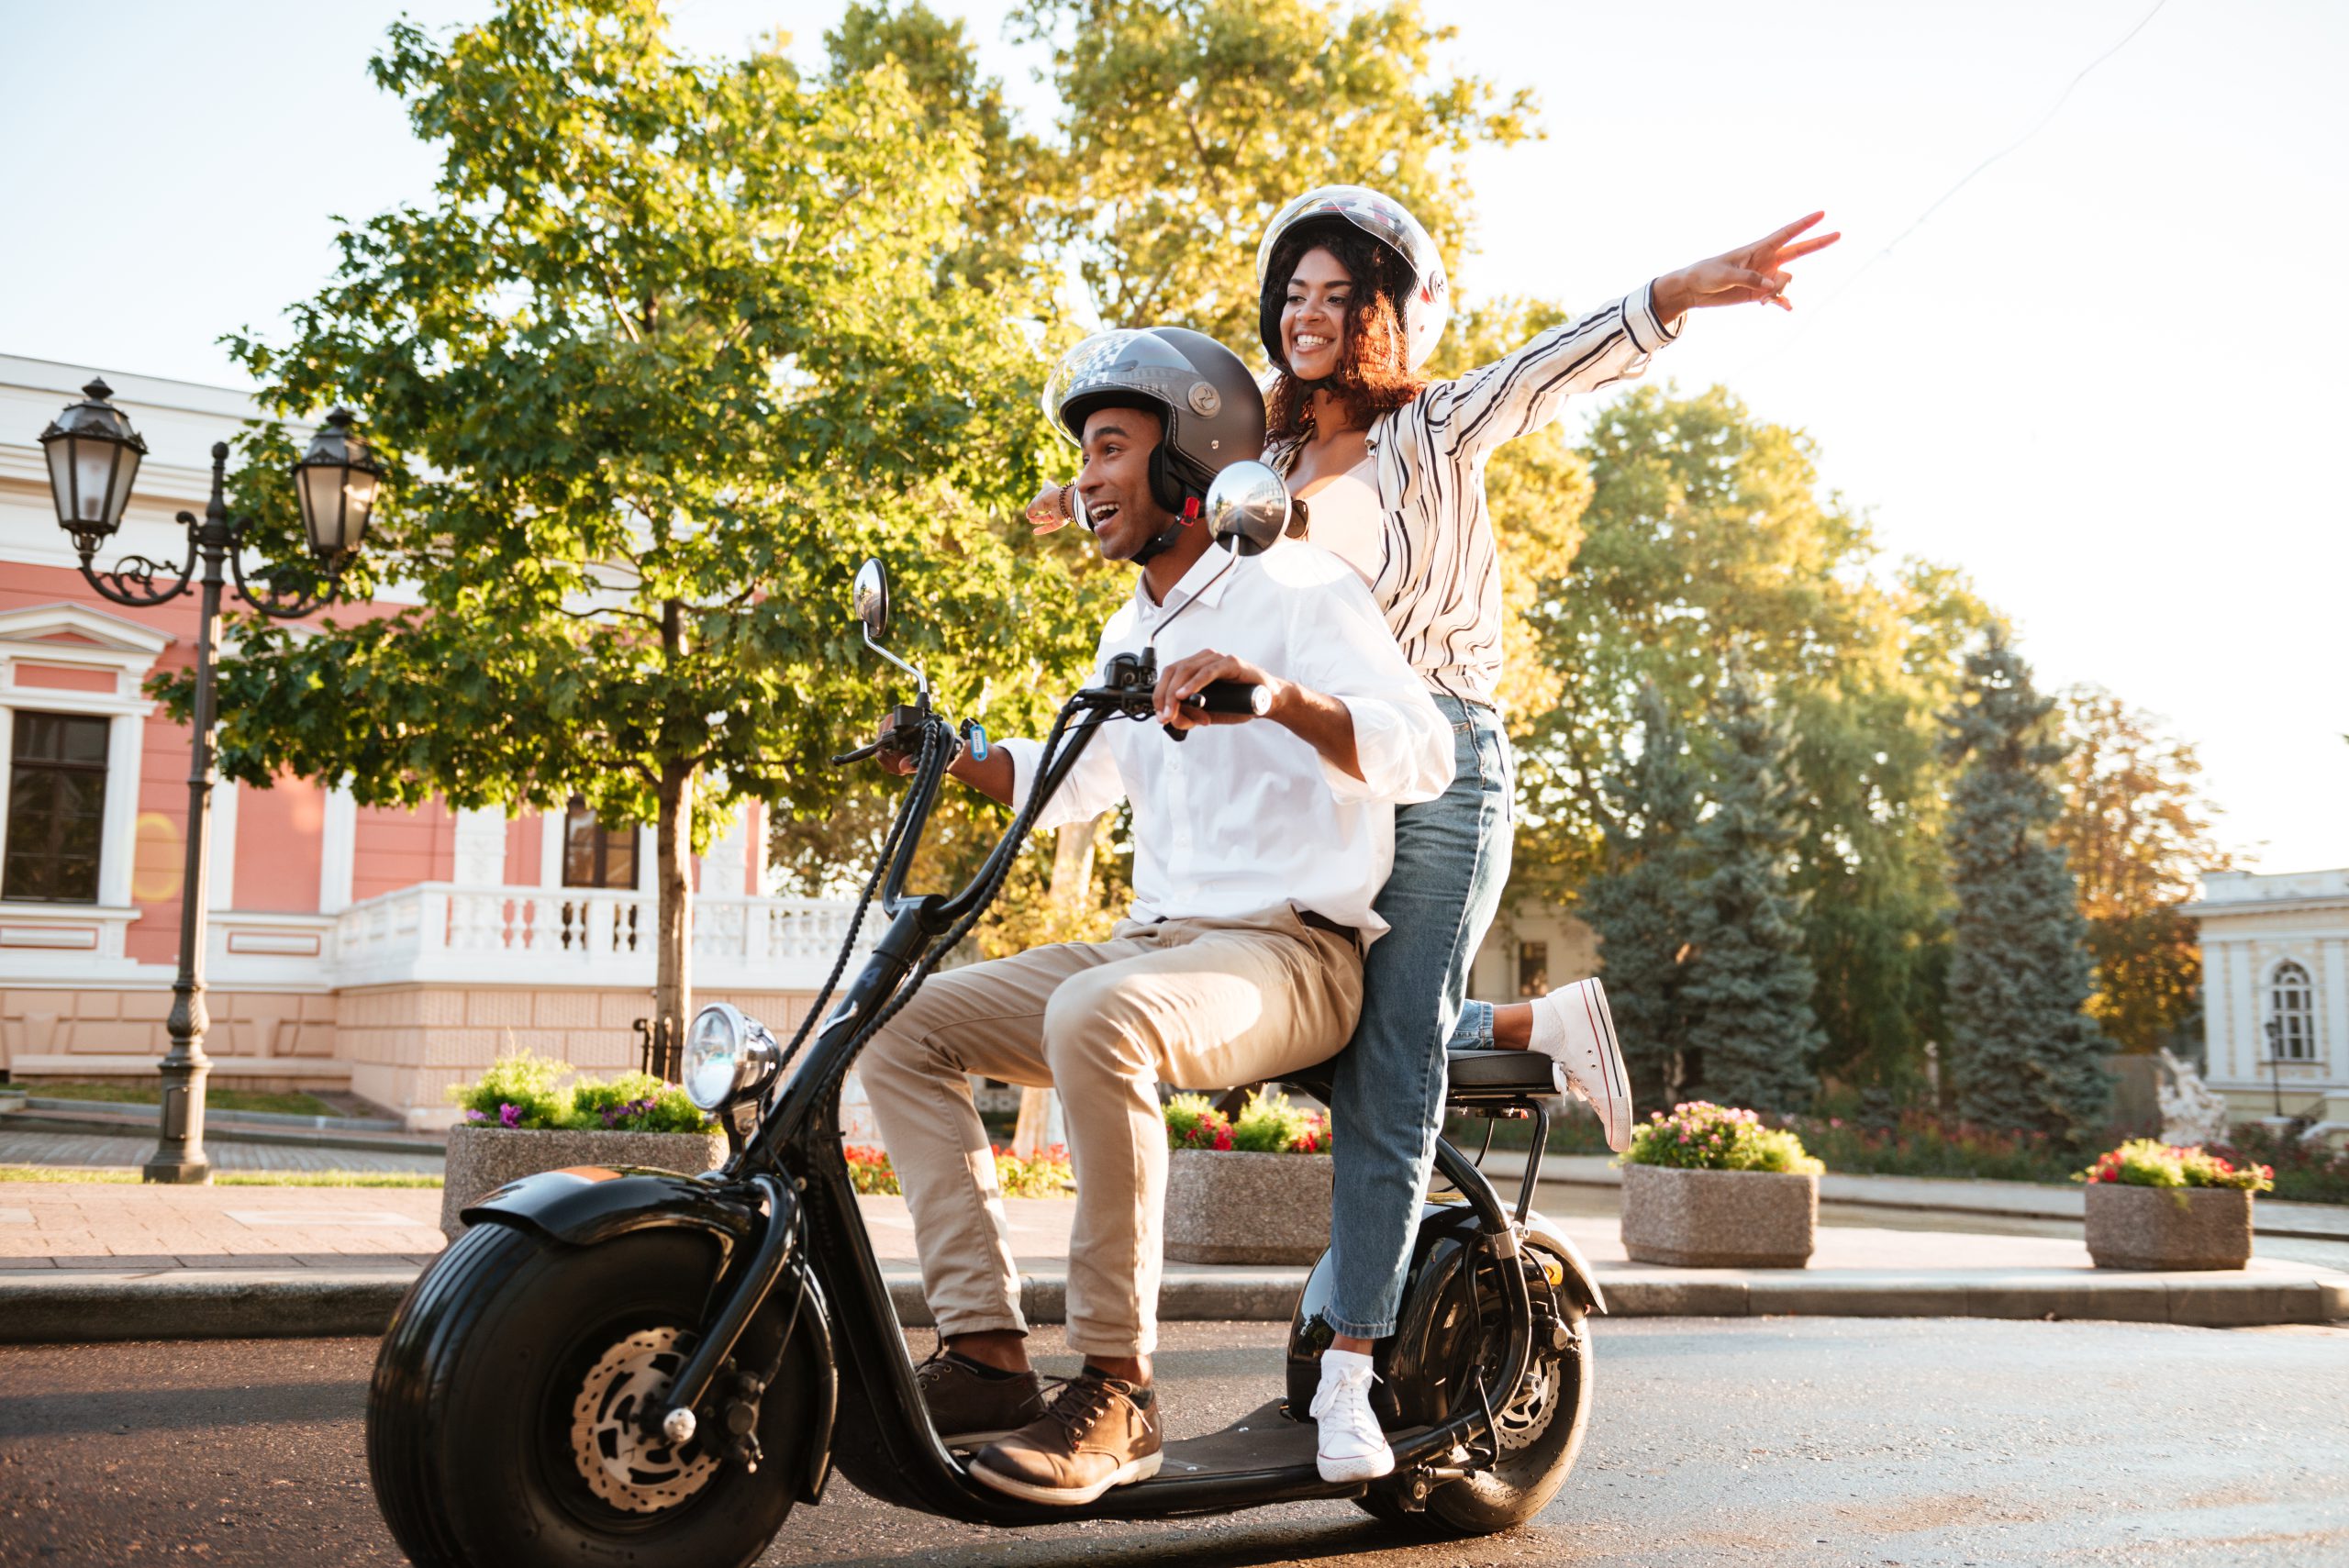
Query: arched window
[(2291, 1013)]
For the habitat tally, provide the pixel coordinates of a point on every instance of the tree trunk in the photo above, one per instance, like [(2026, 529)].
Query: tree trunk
[(672, 877), (674, 908), (1071, 875)]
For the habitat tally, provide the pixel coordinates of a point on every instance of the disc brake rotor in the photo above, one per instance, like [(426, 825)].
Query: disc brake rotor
[(1528, 1416), (627, 1467)]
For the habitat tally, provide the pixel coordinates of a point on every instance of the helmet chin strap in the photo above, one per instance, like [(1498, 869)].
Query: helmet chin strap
[(1167, 537)]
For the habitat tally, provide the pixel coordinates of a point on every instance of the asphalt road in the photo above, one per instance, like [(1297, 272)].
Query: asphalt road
[(1768, 1440)]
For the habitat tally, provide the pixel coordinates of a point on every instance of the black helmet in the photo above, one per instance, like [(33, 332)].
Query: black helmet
[(1426, 303), (1212, 408)]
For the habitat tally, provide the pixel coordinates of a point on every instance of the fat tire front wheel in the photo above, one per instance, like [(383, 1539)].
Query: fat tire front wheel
[(501, 1351)]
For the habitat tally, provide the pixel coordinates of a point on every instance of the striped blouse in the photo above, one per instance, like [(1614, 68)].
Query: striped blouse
[(1438, 577)]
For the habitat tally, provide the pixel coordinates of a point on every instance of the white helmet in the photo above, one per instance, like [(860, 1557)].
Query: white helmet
[(1427, 303)]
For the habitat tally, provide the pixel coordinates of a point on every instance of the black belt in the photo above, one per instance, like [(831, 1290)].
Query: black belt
[(1320, 922)]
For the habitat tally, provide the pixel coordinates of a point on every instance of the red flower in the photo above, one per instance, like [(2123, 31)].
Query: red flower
[(1223, 1138)]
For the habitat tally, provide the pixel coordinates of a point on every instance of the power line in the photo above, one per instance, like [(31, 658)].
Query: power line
[(2037, 126)]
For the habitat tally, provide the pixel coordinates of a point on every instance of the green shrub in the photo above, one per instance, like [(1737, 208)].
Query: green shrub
[(1919, 1143), (525, 1091), (2150, 1163), (2304, 1171), (1270, 1123), (1701, 1136), (1193, 1122)]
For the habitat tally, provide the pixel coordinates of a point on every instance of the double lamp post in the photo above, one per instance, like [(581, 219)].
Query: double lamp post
[(94, 457)]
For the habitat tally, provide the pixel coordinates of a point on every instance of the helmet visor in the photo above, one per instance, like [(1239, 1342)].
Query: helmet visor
[(1380, 217), (1134, 361)]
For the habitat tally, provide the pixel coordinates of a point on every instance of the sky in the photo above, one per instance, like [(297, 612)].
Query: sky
[(2103, 378)]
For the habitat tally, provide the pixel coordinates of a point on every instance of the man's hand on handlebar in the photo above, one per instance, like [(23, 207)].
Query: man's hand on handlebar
[(894, 753), (1192, 673), (990, 775)]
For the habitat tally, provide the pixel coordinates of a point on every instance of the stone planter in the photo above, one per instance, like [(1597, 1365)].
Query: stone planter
[(1719, 1220), (483, 1159), (2150, 1229), (1234, 1207)]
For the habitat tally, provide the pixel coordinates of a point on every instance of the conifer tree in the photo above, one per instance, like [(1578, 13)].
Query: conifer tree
[(1747, 995), (1638, 900), (2025, 1054)]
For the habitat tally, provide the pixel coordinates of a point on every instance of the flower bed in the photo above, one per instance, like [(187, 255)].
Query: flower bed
[(528, 1114), (1047, 1175), (1711, 1186), (2153, 1206), (1270, 1163)]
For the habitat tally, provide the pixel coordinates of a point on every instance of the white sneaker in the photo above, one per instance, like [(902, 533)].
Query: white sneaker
[(1573, 1028), (1352, 1448)]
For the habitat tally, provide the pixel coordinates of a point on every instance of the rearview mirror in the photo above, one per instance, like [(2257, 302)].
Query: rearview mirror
[(872, 599), (1247, 508)]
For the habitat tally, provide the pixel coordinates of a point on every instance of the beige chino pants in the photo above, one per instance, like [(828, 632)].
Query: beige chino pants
[(1198, 1004)]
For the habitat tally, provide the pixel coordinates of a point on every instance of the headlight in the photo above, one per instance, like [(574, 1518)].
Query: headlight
[(725, 1050)]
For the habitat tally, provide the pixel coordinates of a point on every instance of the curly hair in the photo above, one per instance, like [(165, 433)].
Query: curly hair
[(1373, 375)]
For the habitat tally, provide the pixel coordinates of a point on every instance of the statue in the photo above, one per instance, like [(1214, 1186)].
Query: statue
[(2192, 1112)]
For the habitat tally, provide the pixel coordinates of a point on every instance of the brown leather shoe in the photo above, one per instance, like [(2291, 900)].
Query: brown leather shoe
[(968, 1407), (1096, 1433)]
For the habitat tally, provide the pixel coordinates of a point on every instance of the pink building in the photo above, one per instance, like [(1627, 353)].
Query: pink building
[(387, 952)]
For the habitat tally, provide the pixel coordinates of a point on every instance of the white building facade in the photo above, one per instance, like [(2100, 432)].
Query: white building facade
[(2275, 992)]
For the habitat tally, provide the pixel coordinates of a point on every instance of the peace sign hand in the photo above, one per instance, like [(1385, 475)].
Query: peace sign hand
[(1749, 273)]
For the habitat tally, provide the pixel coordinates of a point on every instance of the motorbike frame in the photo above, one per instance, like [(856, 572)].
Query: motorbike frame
[(785, 1212)]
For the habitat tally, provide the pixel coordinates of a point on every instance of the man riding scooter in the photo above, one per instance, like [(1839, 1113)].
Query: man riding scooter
[(1262, 840)]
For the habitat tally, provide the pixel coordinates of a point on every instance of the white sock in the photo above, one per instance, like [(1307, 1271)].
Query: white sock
[(1548, 1032), (1335, 1360)]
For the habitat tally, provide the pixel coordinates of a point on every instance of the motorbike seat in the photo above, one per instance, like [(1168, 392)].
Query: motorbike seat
[(1488, 1077), (1471, 1078)]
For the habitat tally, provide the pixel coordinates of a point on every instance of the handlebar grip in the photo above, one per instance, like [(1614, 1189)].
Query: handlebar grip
[(1231, 696)]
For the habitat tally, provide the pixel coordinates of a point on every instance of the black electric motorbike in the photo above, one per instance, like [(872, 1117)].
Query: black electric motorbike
[(637, 1366)]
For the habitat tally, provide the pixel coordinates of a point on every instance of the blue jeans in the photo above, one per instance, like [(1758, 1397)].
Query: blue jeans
[(1386, 1094)]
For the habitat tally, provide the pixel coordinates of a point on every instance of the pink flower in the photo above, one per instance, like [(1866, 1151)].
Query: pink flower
[(509, 1115)]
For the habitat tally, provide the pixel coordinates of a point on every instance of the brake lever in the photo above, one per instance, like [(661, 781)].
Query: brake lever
[(845, 758)]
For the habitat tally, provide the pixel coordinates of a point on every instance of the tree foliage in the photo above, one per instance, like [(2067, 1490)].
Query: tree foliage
[(2026, 1056), (2138, 836), (1641, 902), (1184, 125), (1747, 996), (1707, 531), (668, 350)]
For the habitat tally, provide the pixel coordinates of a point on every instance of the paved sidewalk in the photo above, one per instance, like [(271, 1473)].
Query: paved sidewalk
[(100, 1261)]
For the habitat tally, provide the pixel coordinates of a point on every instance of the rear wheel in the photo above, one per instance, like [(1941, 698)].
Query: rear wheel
[(502, 1426), (1538, 1434)]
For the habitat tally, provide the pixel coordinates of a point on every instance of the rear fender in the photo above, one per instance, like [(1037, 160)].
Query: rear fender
[(1439, 1252)]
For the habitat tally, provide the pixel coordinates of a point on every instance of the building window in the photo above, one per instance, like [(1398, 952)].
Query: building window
[(57, 803), (2291, 1013), (594, 855), (1533, 968)]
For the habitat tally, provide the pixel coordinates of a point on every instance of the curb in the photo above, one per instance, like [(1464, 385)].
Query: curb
[(132, 1126), (1939, 1194), (52, 1306)]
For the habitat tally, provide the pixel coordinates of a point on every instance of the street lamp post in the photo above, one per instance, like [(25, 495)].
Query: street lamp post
[(2275, 1060), (94, 456)]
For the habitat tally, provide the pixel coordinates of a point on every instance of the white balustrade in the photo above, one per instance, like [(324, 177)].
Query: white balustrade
[(582, 936)]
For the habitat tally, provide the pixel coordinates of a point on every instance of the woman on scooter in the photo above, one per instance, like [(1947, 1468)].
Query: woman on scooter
[(1352, 297)]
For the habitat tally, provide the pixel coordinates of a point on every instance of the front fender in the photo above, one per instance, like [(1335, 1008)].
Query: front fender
[(588, 1204)]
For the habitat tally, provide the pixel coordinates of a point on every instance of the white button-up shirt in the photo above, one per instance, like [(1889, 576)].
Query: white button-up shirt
[(1241, 817)]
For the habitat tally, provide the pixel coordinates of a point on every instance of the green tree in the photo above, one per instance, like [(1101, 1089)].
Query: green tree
[(1184, 125), (1747, 995), (673, 344), (1708, 530), (2139, 835), (2026, 1056), (1639, 903)]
